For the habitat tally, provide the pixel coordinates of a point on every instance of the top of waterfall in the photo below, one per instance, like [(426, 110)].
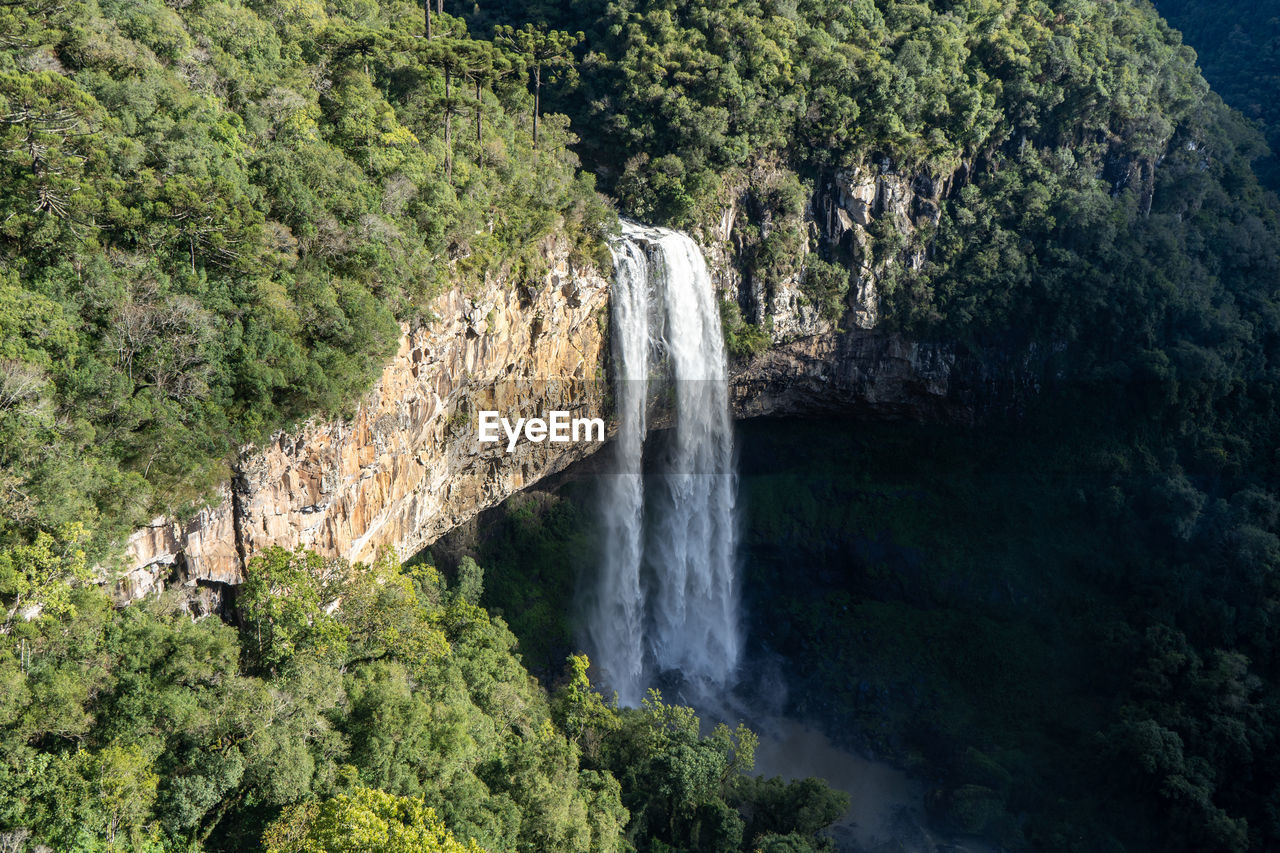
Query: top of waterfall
[(640, 231)]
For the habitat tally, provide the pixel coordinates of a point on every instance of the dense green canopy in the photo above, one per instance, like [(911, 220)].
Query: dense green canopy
[(215, 215), (1238, 45), (353, 704), (212, 216)]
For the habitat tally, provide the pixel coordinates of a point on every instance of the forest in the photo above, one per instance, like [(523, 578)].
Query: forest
[(215, 215), (1236, 45), (406, 713)]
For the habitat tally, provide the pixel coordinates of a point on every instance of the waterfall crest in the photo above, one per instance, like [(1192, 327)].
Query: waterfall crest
[(667, 596)]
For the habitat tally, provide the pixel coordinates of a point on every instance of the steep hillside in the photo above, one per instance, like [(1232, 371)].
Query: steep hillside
[(213, 214), (1238, 45)]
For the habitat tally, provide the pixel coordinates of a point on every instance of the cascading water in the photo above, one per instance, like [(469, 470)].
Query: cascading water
[(617, 623), (667, 596)]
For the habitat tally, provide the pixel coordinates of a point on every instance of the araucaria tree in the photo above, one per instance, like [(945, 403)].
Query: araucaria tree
[(551, 50)]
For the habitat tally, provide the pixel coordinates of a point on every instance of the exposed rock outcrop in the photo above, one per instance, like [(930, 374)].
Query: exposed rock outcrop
[(863, 373), (851, 201), (408, 465), (730, 246), (840, 220), (816, 365)]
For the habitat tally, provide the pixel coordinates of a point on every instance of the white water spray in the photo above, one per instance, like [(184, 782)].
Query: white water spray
[(617, 623), (667, 597)]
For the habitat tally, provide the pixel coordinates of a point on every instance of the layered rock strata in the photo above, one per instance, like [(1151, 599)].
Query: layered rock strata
[(408, 465)]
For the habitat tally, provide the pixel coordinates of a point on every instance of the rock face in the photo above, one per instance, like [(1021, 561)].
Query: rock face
[(408, 465), (728, 245), (852, 200), (818, 366), (865, 374), (841, 217)]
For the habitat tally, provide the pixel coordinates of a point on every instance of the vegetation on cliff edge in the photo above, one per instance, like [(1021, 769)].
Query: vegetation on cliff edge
[(213, 214)]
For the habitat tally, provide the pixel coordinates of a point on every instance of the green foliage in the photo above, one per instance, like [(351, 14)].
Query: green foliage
[(37, 580), (99, 801), (533, 548), (542, 50), (686, 791), (355, 706), (1237, 44), (364, 736), (827, 285), (214, 214), (282, 602), (741, 339), (679, 96), (679, 788), (470, 584), (579, 710), (366, 820), (795, 811), (789, 843), (1084, 194)]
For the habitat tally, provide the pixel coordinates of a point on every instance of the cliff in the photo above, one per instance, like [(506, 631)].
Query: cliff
[(818, 364), (406, 467)]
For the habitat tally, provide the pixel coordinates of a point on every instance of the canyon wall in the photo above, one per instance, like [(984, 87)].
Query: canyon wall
[(407, 466), (816, 365)]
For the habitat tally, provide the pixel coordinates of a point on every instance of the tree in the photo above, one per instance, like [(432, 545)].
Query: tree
[(580, 710), (541, 48), (363, 822), (36, 580), (384, 614), (285, 602), (454, 57), (801, 807), (675, 782), (344, 41), (49, 138), (124, 787), (483, 62), (143, 206)]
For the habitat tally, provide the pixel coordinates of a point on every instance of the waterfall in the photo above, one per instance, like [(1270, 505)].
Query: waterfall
[(667, 597), (616, 624)]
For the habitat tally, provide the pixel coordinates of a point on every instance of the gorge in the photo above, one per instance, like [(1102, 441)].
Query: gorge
[(939, 404)]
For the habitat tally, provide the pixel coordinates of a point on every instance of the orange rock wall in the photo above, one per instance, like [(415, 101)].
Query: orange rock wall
[(407, 466)]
